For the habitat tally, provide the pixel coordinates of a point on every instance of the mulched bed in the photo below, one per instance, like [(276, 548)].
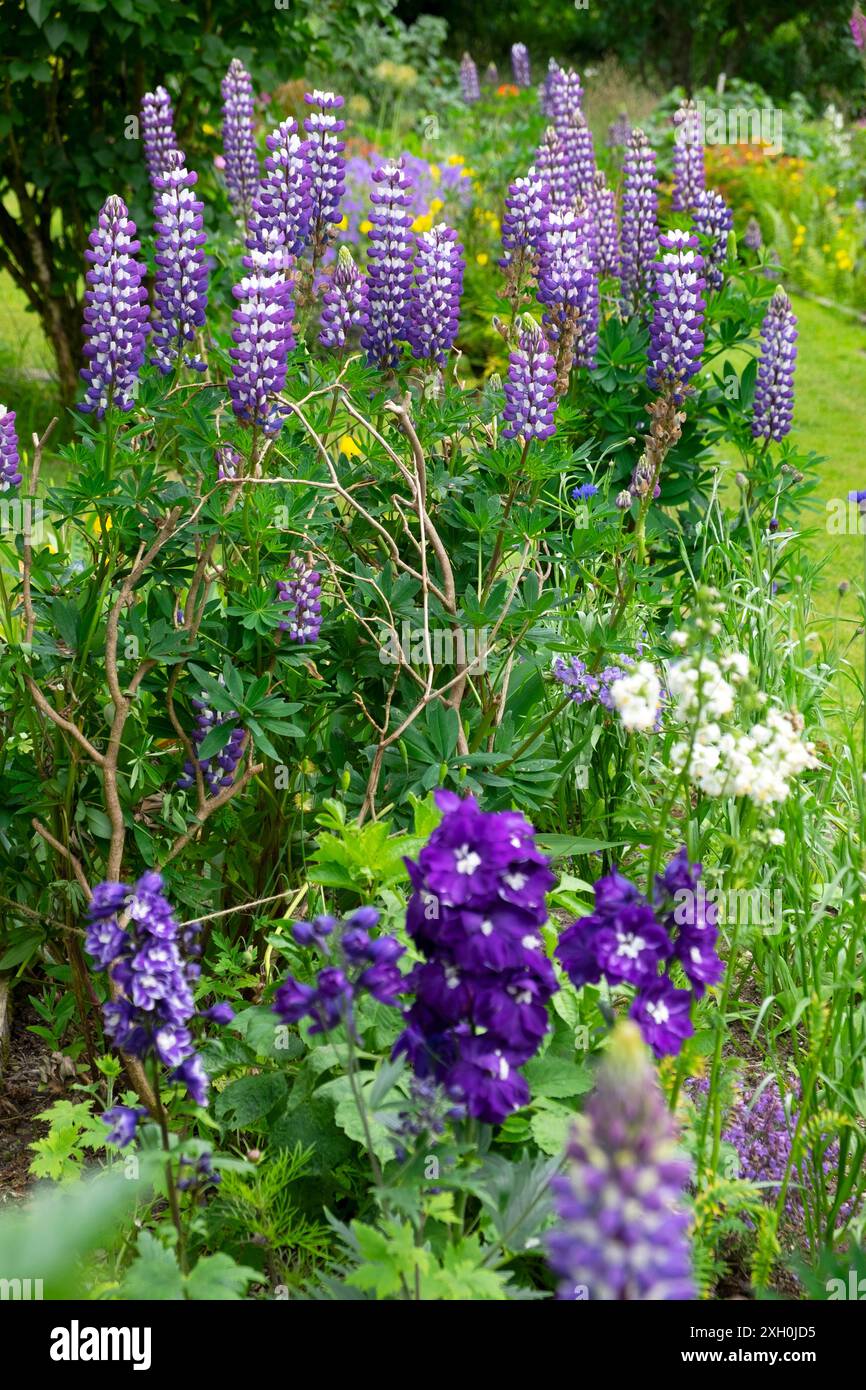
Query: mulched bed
[(28, 1085)]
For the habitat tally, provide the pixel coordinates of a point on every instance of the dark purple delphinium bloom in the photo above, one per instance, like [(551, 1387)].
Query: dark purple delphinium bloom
[(530, 388), (157, 130), (262, 335), (239, 144), (622, 1232), (752, 238), (355, 963), (773, 407), (575, 676), (520, 65), (469, 84), (115, 312), (689, 174), (677, 330), (180, 286), (10, 473), (302, 591), (133, 933), (480, 1009), (282, 200), (607, 232), (526, 206), (122, 1121), (218, 771), (639, 233), (389, 272), (326, 165), (713, 219), (434, 306), (202, 1176), (228, 461), (345, 303)]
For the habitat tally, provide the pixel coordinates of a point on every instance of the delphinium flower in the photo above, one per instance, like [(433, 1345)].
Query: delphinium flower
[(469, 84), (356, 963), (157, 130), (607, 232), (132, 933), (218, 771), (262, 335), (180, 286), (752, 238), (622, 1228), (115, 312), (481, 993), (677, 329), (580, 684), (530, 387), (628, 940), (302, 591), (228, 462), (713, 219), (239, 145), (345, 303), (198, 1174), (689, 174), (10, 473), (428, 1112), (326, 165), (282, 200), (639, 232), (520, 65), (567, 286), (389, 271), (434, 306), (773, 407)]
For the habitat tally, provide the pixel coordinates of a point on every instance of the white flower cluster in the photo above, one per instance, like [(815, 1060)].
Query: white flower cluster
[(759, 763), (636, 697)]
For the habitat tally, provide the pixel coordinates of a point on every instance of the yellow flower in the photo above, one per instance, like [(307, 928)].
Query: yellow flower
[(801, 230), (826, 247), (423, 222), (98, 527), (343, 223), (208, 129), (435, 172), (466, 173), (365, 225), (482, 258), (436, 205), (349, 447), (456, 159)]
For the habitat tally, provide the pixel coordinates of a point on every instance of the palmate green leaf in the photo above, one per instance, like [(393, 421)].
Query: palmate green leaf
[(218, 1277), (154, 1275), (247, 1102)]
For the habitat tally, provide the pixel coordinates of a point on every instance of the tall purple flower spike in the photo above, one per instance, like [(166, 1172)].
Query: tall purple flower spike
[(578, 154), (218, 771), (520, 65), (469, 84), (180, 287), (345, 303), (689, 173), (434, 308), (262, 335), (545, 91), (773, 407), (677, 332), (604, 208), (622, 1229), (639, 232), (157, 130), (552, 166), (530, 387), (714, 220), (10, 474), (239, 143), (389, 271), (564, 94), (566, 268), (326, 165), (283, 198), (302, 591), (586, 337), (115, 312), (526, 207)]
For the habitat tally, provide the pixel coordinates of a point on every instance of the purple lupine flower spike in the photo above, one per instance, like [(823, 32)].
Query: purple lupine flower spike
[(345, 303), (773, 407), (157, 130), (239, 144), (491, 75), (677, 330), (639, 230), (567, 286), (283, 197), (618, 132), (545, 91), (434, 308), (115, 312), (575, 138), (481, 993), (714, 220), (551, 164), (752, 238), (564, 94), (520, 65), (586, 336), (389, 271), (689, 172), (302, 591), (10, 473), (530, 394), (526, 207), (469, 84), (262, 336), (326, 165), (219, 771), (180, 287), (228, 462), (607, 231), (622, 1232)]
